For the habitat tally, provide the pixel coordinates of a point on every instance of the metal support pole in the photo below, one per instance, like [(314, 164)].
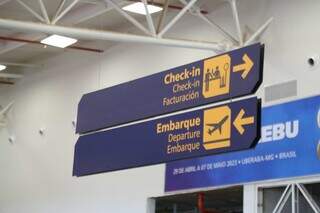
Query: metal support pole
[(64, 12), (149, 18), (293, 198), (260, 201), (297, 200), (34, 13), (175, 208), (62, 2), (128, 17), (259, 31), (44, 11), (106, 35), (237, 21), (95, 14), (309, 198), (94, 2), (177, 17), (163, 15), (213, 24), (222, 31), (282, 201)]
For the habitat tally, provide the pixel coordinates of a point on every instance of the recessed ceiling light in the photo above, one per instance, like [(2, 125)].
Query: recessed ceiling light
[(2, 67), (58, 41), (139, 8)]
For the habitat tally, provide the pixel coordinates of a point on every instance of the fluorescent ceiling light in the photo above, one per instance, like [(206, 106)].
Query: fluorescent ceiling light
[(2, 67), (59, 41), (139, 8)]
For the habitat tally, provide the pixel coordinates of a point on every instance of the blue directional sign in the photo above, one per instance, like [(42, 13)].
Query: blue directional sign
[(289, 147), (224, 128), (233, 74)]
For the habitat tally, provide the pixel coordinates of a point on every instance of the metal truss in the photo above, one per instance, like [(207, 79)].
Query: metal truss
[(153, 34), (4, 115), (308, 197), (293, 191)]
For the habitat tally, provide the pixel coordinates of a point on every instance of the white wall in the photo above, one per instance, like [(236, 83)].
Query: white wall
[(36, 171)]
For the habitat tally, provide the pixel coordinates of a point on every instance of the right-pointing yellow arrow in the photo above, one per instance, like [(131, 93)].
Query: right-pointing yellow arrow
[(245, 68), (240, 121)]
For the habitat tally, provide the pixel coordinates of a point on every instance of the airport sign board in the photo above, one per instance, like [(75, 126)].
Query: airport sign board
[(232, 74), (289, 147), (219, 129)]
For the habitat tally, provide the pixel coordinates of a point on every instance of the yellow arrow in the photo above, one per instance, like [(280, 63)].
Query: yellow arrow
[(245, 68), (240, 121)]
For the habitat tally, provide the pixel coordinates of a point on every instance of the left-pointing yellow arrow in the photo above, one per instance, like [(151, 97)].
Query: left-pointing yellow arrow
[(240, 121), (245, 68)]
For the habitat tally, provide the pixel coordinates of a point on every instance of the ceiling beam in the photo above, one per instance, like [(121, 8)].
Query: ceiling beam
[(170, 6), (81, 33), (60, 7), (149, 18), (235, 14), (211, 23), (21, 40), (64, 12), (2, 2), (259, 32), (10, 75), (28, 8), (20, 64), (14, 45), (163, 15), (44, 11), (176, 18), (85, 12), (127, 16), (96, 2)]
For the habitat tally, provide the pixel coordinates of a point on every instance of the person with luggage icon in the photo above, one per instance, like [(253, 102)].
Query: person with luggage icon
[(210, 76)]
